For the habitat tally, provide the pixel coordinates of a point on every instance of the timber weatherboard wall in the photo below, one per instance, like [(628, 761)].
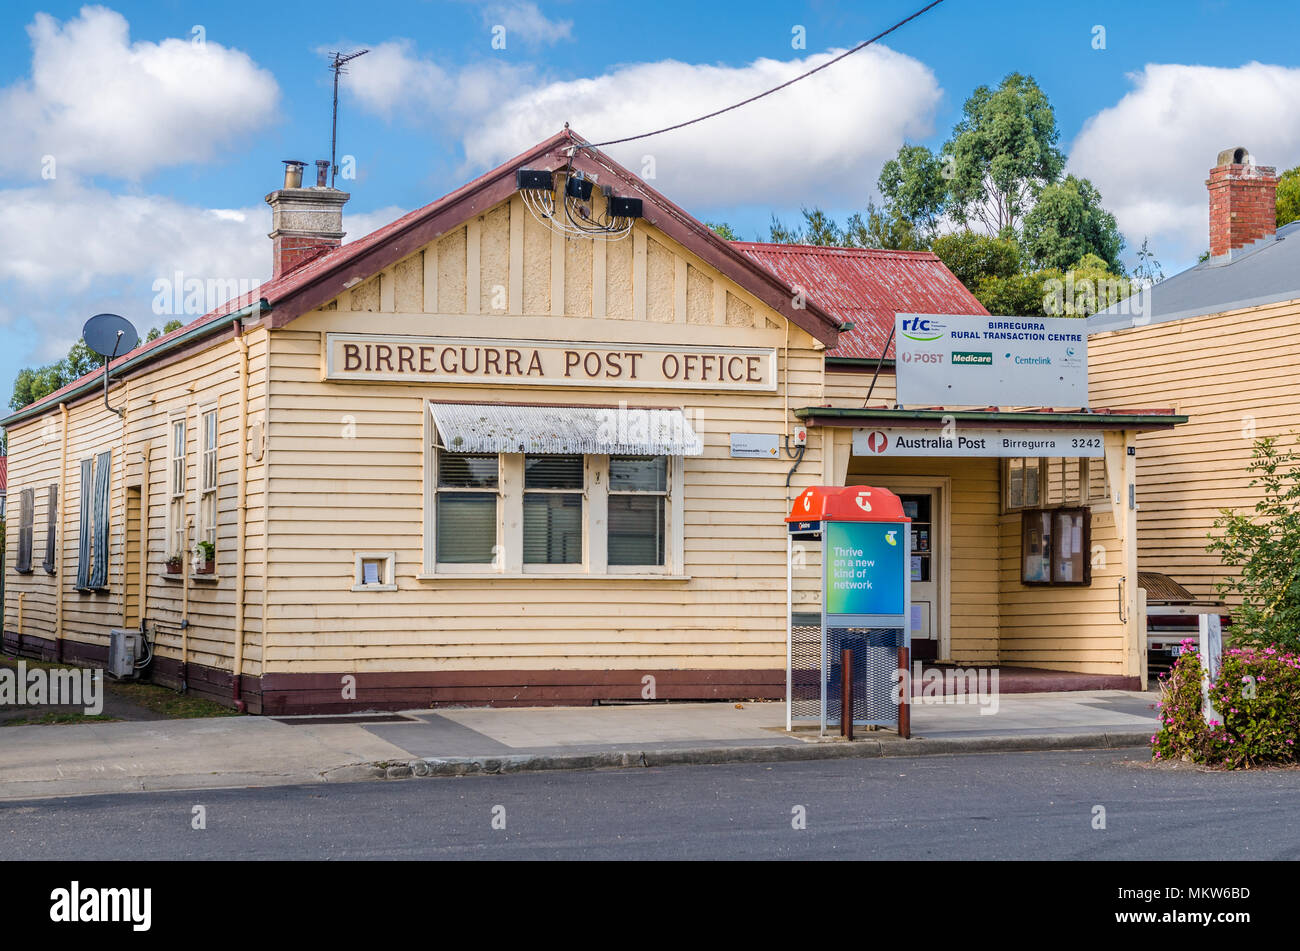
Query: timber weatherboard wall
[(1234, 374), (151, 397), (347, 470)]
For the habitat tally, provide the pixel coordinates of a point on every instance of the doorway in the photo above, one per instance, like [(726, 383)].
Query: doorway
[(927, 561)]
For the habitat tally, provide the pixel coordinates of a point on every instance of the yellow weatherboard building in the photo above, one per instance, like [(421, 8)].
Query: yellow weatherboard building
[(475, 457)]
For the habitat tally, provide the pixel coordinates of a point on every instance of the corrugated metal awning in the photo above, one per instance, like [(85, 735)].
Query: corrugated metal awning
[(587, 430)]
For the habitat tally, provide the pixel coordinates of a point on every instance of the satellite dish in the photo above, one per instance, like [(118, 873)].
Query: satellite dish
[(110, 336)]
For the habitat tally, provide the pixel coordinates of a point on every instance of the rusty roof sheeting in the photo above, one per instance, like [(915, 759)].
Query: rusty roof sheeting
[(866, 287)]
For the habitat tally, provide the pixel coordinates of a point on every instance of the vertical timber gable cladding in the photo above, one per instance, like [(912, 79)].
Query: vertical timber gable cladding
[(347, 475)]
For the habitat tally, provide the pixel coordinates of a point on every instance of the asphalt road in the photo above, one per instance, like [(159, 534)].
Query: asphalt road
[(979, 806)]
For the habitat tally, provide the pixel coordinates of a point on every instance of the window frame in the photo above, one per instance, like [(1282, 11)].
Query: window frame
[(583, 564), (388, 580), (177, 529), (432, 565), (667, 495), (1041, 467), (209, 463), (510, 492)]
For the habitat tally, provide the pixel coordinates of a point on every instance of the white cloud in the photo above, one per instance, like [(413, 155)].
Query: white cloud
[(100, 104), (1151, 152), (820, 141), (393, 81), (524, 21), (68, 251)]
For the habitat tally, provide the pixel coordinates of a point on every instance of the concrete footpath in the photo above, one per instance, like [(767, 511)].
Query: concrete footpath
[(43, 761)]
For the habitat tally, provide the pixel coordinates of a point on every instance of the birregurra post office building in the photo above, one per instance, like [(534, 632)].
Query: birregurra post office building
[(532, 443)]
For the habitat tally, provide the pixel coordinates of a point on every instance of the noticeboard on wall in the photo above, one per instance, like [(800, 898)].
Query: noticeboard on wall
[(1055, 546)]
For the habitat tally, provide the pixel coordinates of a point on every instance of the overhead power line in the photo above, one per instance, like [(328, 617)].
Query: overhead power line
[(790, 82)]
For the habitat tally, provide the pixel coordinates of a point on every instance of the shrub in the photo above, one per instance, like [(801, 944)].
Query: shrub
[(1257, 696), (1261, 546)]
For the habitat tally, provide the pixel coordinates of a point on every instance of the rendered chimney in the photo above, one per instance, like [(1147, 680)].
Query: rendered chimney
[(1243, 199), (305, 222)]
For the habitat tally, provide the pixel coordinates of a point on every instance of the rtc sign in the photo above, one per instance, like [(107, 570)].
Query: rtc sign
[(970, 360)]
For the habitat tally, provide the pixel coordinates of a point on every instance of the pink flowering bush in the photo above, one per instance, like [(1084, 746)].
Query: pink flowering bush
[(1256, 699)]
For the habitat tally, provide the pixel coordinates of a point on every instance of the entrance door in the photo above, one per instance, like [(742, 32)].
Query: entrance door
[(923, 509)]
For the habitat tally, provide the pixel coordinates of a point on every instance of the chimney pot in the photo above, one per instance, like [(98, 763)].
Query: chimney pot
[(322, 173), (1243, 199), (293, 173), (305, 222)]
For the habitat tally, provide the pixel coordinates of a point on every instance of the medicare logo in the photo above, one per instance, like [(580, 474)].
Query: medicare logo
[(923, 329), (877, 442), (969, 359)]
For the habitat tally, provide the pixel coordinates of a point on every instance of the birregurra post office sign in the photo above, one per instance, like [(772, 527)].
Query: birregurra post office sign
[(971, 360), (411, 359)]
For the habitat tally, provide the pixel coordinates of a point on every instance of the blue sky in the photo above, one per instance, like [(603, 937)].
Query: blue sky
[(165, 138)]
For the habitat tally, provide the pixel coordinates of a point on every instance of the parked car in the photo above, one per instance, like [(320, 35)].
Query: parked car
[(1173, 614)]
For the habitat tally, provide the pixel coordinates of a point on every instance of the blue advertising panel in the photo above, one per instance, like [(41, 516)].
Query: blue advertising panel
[(864, 566)]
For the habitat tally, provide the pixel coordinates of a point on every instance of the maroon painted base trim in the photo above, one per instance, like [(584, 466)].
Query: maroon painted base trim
[(283, 693), (210, 683), (324, 693)]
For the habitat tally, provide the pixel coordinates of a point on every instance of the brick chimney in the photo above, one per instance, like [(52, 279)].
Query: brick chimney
[(1242, 202), (305, 222)]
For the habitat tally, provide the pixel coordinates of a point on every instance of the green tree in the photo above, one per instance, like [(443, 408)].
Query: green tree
[(1066, 223), (1262, 547), (1085, 287), (1288, 196), (874, 228), (974, 257), (720, 228), (1002, 154), (1018, 295), (884, 228), (36, 383), (913, 187)]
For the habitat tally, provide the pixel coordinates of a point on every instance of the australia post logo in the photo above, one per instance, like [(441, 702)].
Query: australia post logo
[(922, 329), (877, 442)]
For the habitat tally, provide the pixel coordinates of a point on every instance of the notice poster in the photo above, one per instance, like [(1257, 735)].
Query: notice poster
[(864, 568)]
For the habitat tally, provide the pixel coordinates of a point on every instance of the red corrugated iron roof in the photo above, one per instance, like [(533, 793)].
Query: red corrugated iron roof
[(866, 287), (4, 474)]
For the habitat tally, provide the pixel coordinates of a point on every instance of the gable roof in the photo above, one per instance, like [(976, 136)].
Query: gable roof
[(866, 287), (323, 278), (1268, 272)]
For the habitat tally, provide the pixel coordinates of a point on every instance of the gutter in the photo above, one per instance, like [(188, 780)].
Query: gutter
[(145, 356), (1110, 420)]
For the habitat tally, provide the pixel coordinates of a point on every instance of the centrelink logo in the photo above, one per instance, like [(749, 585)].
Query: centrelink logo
[(922, 329)]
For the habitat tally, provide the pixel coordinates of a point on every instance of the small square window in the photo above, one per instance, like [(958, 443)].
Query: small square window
[(375, 571)]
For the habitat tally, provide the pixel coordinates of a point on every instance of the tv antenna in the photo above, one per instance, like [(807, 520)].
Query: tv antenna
[(110, 336), (338, 64)]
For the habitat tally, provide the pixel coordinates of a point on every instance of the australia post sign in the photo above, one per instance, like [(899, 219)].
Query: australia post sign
[(969, 360)]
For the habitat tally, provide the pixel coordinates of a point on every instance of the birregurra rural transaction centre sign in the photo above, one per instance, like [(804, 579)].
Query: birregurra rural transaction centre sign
[(970, 360)]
